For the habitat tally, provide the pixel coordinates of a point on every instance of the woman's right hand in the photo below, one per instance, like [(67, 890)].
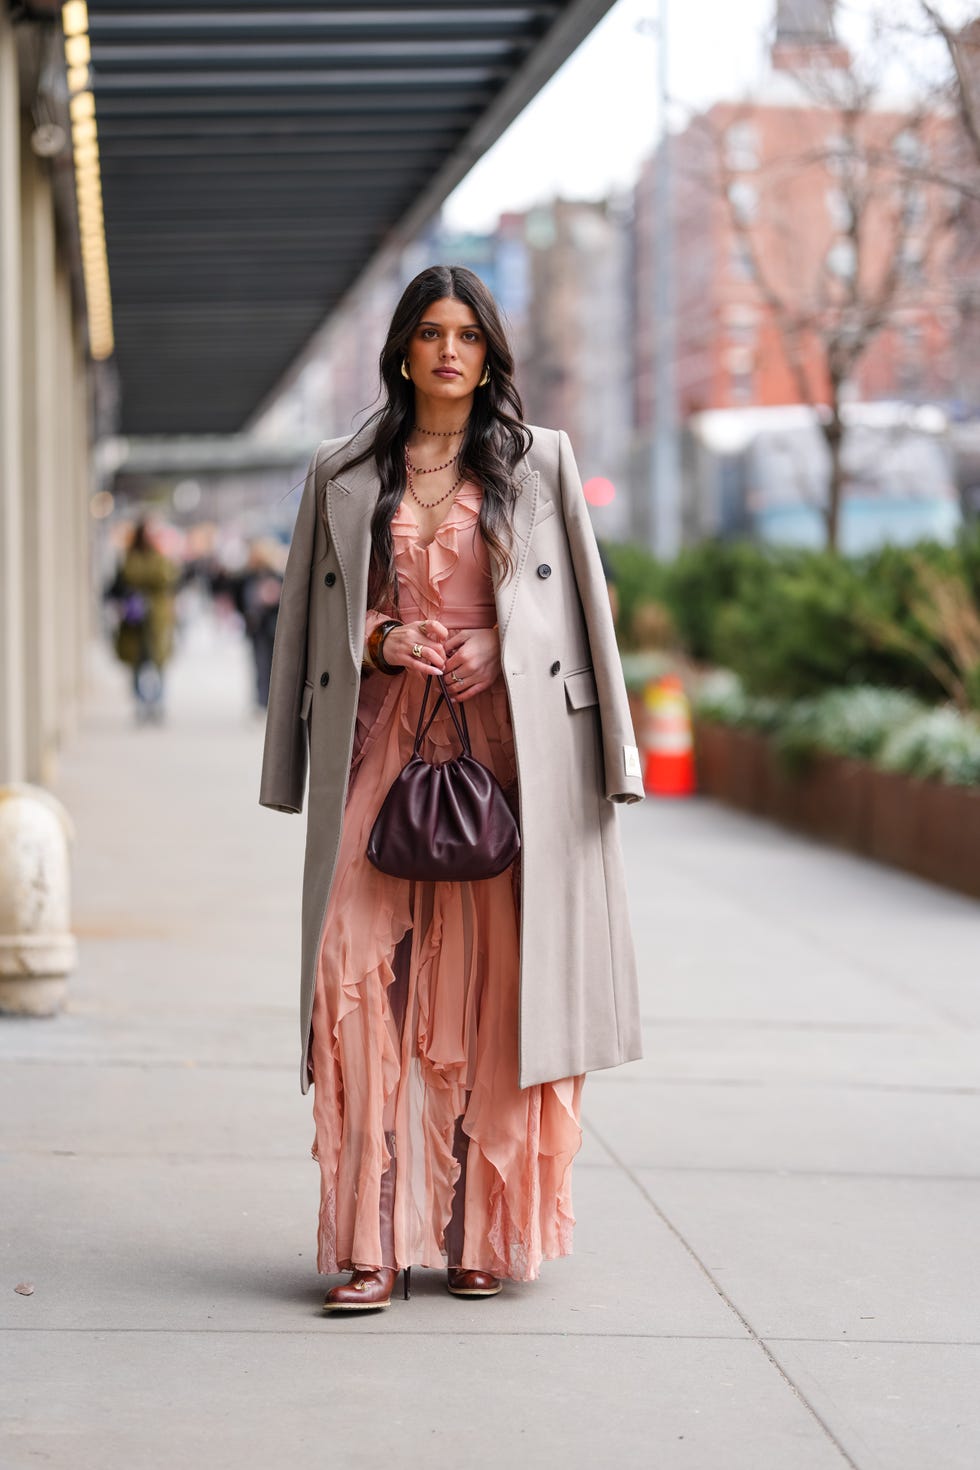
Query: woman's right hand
[(428, 635)]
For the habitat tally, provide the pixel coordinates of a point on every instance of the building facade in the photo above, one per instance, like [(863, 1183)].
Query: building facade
[(46, 416), (793, 218)]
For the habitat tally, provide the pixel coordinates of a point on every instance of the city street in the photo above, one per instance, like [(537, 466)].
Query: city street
[(775, 1263)]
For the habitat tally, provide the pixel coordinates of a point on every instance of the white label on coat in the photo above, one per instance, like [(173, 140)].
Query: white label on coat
[(631, 760)]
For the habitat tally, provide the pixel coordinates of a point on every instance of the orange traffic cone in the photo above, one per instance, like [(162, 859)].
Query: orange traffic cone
[(669, 749)]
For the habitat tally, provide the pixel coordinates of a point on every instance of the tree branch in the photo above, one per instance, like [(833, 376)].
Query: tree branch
[(968, 106)]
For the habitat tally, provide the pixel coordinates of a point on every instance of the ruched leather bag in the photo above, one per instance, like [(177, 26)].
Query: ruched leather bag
[(444, 823)]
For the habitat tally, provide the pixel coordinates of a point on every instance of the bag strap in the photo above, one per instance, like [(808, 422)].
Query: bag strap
[(457, 712)]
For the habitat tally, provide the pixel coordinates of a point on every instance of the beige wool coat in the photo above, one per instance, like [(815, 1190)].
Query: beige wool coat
[(575, 748)]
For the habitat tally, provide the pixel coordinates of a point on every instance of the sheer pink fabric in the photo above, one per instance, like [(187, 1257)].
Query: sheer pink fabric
[(414, 1046)]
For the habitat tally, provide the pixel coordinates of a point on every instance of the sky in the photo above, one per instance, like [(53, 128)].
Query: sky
[(586, 133)]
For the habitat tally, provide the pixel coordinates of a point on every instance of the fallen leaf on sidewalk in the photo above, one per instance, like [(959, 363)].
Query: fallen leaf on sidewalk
[(24, 1288)]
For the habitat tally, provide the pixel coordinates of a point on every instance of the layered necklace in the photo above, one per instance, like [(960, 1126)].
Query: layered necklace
[(412, 470)]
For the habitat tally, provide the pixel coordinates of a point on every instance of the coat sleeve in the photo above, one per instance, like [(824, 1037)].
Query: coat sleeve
[(623, 779), (284, 760)]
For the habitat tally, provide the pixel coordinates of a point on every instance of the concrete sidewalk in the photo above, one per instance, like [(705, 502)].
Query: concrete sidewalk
[(776, 1261)]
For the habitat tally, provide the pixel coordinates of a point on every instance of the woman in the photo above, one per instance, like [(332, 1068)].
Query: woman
[(144, 592), (446, 1027)]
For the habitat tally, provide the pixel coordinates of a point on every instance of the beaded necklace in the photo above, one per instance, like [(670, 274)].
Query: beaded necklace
[(430, 504), (430, 469), (439, 433)]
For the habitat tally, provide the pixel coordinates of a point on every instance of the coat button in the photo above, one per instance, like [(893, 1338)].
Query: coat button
[(324, 680), (555, 667), (544, 570), (330, 579)]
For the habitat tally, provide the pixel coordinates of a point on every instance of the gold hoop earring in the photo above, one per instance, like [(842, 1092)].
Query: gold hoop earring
[(405, 372), (485, 379)]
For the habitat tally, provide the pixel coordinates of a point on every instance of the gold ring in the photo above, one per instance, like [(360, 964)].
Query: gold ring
[(456, 677), (417, 650), (424, 626)]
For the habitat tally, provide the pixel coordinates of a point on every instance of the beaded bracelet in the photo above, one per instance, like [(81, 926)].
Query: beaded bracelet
[(375, 646)]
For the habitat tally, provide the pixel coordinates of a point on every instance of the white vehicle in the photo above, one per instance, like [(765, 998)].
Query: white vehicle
[(764, 472)]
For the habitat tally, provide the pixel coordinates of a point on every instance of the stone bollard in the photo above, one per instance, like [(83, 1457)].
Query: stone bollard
[(37, 949)]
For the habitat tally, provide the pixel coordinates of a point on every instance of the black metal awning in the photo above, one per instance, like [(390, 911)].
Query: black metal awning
[(255, 158)]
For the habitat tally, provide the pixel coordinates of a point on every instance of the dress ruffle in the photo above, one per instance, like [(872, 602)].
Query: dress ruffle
[(398, 1059)]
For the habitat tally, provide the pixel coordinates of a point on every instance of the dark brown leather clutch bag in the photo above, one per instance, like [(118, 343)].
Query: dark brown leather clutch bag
[(448, 822)]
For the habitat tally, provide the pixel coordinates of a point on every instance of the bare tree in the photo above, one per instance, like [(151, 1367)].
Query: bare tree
[(831, 285)]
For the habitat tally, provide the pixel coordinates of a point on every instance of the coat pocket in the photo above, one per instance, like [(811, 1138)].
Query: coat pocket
[(580, 689), (306, 701)]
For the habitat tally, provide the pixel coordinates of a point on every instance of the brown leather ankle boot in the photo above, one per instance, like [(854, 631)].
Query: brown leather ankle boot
[(366, 1291), (370, 1290), (472, 1283)]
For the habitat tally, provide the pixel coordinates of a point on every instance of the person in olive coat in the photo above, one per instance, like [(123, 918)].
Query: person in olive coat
[(144, 593)]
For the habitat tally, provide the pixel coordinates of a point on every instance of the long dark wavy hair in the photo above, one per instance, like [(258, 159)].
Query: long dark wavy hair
[(496, 437)]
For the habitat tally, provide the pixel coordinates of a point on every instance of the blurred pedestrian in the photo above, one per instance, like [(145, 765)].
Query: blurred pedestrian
[(143, 591), (446, 1026), (256, 592)]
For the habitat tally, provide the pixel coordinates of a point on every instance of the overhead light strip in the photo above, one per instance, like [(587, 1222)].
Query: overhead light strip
[(88, 178)]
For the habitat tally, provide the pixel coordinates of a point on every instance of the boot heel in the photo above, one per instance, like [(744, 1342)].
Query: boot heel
[(407, 1282)]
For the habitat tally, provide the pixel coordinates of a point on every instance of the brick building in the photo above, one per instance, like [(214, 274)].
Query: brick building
[(785, 198)]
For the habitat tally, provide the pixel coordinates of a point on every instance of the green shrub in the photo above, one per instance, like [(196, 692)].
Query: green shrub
[(790, 631), (793, 623), (853, 722), (639, 579), (702, 582), (939, 744), (720, 696), (885, 726), (918, 610), (968, 547)]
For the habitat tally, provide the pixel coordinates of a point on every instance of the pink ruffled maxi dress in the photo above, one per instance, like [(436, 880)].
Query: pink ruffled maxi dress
[(429, 1151)]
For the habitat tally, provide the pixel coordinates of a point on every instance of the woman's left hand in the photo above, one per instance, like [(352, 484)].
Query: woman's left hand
[(472, 661)]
